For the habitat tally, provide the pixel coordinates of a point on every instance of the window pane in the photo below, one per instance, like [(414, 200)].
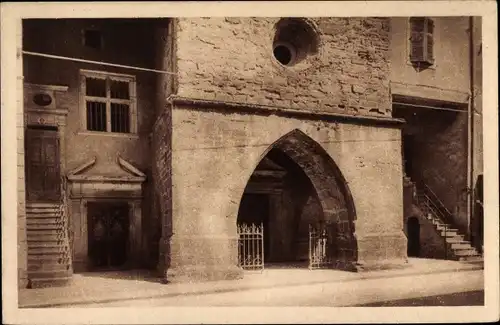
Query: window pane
[(430, 47), (417, 24), (96, 116), (430, 26), (120, 89), (95, 87), (120, 118)]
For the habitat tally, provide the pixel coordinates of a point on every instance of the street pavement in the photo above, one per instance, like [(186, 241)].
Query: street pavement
[(470, 298), (440, 289), (272, 287)]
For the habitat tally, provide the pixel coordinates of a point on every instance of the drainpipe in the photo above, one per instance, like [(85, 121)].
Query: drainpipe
[(470, 131)]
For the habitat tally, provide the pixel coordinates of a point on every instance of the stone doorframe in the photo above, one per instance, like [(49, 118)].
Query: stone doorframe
[(91, 188), (275, 195), (41, 109)]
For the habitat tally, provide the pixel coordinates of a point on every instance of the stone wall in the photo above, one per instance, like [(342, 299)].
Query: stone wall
[(451, 52), (210, 171), (162, 176), (478, 168), (161, 147), (81, 145), (441, 151), (231, 59), (432, 245), (441, 158)]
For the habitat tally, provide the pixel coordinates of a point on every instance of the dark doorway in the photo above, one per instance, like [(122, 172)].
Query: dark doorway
[(42, 164), (413, 227), (108, 231), (254, 209), (408, 152)]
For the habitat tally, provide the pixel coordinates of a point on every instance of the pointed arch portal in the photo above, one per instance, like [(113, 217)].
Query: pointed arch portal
[(297, 187)]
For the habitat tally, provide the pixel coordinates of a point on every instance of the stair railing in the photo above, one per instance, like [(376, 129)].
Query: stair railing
[(445, 242), (437, 208), (434, 203), (64, 227)]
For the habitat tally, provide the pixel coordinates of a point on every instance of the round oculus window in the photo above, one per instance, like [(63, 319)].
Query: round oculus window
[(42, 99), (284, 53), (294, 40)]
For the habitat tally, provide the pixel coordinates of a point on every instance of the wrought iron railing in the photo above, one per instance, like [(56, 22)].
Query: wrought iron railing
[(319, 256), (63, 228), (435, 203), (428, 199), (251, 246)]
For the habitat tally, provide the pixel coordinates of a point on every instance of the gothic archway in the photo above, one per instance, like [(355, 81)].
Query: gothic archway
[(296, 184)]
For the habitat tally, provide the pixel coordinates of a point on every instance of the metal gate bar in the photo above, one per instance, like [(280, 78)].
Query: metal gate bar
[(319, 256), (251, 246)]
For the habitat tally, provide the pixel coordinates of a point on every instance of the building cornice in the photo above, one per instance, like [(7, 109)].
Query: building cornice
[(248, 108)]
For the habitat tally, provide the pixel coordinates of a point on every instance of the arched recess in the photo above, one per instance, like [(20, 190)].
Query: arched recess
[(331, 190)]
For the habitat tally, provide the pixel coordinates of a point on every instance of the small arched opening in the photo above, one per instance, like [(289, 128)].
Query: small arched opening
[(413, 227)]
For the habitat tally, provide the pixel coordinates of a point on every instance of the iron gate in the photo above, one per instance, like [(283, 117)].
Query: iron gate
[(320, 244), (251, 246)]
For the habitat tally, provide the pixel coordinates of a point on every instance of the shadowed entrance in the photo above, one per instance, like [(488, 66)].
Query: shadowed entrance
[(297, 187)]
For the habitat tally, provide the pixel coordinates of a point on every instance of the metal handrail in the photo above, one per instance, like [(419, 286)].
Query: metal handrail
[(63, 218), (437, 207), (435, 204), (435, 199), (434, 208)]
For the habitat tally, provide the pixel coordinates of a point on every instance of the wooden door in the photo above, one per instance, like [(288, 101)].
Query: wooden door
[(108, 234), (43, 181)]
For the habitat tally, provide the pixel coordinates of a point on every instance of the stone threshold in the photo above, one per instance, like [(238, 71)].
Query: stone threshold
[(215, 287)]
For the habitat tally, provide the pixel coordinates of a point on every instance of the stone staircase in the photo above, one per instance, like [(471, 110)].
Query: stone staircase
[(457, 247), (49, 259)]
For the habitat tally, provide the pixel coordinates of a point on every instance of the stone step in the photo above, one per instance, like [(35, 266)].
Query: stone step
[(38, 259), (42, 204), (47, 266), (45, 274), (37, 237), (42, 226), (41, 214), (46, 244), (472, 259), (34, 222), (448, 231), (50, 282), (452, 240), (45, 250), (460, 245), (436, 222), (35, 211), (465, 252), (453, 235), (448, 227), (42, 232)]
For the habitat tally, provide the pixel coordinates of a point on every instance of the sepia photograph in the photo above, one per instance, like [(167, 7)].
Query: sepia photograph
[(213, 159)]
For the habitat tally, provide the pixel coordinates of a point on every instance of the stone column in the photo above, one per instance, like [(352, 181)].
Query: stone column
[(135, 236), (80, 234)]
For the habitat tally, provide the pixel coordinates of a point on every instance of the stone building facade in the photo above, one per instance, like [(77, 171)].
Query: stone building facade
[(441, 103), (285, 122)]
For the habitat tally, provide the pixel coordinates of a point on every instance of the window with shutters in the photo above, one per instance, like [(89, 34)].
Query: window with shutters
[(109, 102), (422, 41)]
